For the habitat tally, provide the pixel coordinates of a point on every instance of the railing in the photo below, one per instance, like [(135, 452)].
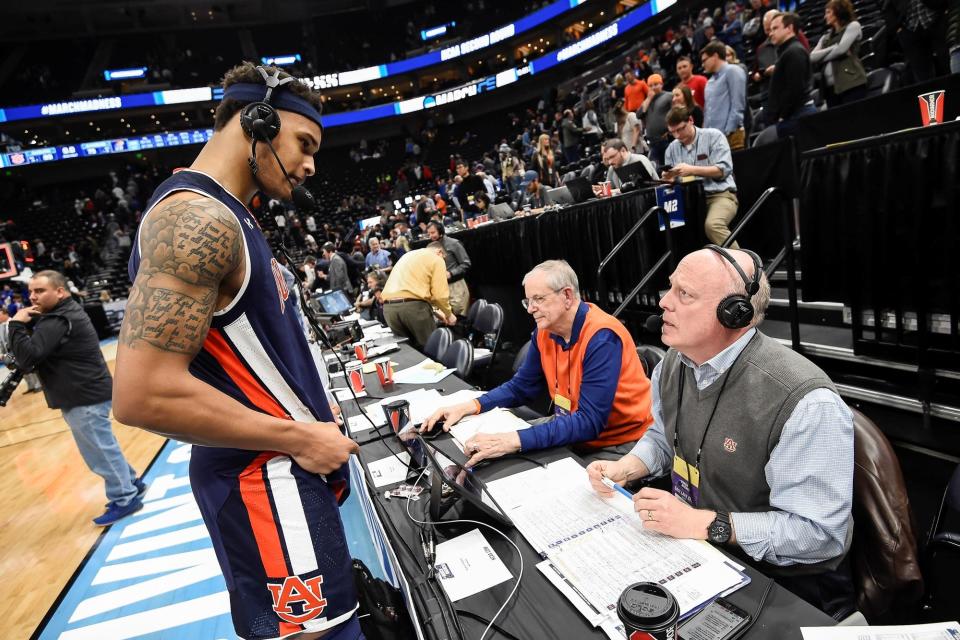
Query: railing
[(786, 253), (601, 283)]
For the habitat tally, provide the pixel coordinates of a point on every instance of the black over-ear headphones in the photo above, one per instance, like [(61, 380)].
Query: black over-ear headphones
[(259, 120), (736, 311)]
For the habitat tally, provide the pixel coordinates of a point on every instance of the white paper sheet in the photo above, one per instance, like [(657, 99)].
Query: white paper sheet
[(600, 549), (373, 352), (468, 564), (558, 580), (425, 372), (389, 470), (494, 421), (344, 394), (359, 423), (935, 631)]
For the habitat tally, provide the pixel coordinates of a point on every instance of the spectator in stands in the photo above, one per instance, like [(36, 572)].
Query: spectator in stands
[(836, 54), (702, 36), (655, 109), (920, 31), (732, 32), (766, 55), (615, 155), (458, 265), (370, 301), (634, 92), (511, 169), (570, 134), (682, 96), (733, 59), (771, 451), (469, 184), (726, 95), (377, 258), (585, 358), (417, 284), (629, 128), (592, 131), (337, 276), (543, 163), (534, 193), (696, 83), (309, 268), (788, 99), (704, 153), (55, 337)]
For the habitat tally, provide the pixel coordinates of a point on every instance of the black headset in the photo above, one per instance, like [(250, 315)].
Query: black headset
[(736, 311), (259, 120)]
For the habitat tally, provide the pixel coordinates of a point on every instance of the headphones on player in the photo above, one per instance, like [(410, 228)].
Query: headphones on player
[(260, 120), (736, 311)]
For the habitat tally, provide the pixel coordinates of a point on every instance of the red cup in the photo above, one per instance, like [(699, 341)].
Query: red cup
[(607, 188), (360, 350), (384, 371), (354, 371), (931, 107)]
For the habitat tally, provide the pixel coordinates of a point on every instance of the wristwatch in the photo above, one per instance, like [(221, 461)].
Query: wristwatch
[(720, 530)]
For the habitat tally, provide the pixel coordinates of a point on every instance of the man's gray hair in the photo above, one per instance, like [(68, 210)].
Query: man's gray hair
[(559, 275), (614, 143)]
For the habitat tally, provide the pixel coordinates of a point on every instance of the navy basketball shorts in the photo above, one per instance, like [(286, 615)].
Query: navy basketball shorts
[(278, 537)]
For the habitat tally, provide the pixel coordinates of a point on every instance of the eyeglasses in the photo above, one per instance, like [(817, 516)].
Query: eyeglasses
[(536, 301), (676, 130)]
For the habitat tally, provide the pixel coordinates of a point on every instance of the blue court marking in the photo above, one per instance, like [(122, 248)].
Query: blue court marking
[(154, 575)]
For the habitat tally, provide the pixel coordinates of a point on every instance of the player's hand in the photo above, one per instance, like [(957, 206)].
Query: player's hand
[(611, 469), (484, 446), (25, 314), (322, 448), (451, 415), (451, 320)]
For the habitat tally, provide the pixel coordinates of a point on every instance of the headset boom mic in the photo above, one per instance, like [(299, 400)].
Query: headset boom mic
[(303, 198), (654, 324)]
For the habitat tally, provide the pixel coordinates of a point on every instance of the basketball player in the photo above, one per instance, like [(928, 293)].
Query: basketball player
[(211, 353)]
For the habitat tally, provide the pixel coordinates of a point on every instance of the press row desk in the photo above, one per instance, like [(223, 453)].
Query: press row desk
[(538, 610)]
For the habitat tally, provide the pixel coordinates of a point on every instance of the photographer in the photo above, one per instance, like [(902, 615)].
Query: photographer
[(56, 338)]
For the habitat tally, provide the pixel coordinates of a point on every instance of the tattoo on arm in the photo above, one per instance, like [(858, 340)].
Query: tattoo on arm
[(187, 248)]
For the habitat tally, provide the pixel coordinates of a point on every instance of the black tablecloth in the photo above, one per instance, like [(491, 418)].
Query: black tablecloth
[(538, 610)]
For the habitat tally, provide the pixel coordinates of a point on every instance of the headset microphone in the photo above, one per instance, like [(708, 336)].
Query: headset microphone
[(261, 122), (654, 324)]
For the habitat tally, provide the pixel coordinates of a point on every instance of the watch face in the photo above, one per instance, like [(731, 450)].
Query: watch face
[(719, 532)]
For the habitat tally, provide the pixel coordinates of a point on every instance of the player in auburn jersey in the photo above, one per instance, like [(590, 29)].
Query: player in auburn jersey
[(211, 353)]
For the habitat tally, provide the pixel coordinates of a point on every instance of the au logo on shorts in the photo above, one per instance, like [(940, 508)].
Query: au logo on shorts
[(730, 445), (296, 600)]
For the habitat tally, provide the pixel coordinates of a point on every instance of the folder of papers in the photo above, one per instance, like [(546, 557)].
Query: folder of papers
[(593, 547)]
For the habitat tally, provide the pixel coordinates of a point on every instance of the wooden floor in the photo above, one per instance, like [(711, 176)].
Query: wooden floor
[(47, 500)]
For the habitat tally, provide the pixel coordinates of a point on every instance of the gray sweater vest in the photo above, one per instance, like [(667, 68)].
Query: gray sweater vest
[(765, 385)]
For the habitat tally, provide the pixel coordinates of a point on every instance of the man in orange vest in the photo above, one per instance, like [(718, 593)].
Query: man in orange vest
[(585, 359)]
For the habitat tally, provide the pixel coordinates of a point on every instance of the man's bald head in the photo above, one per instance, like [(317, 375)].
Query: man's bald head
[(768, 18), (701, 280)]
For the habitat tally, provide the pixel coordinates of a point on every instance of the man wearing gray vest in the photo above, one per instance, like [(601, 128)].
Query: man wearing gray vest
[(758, 444)]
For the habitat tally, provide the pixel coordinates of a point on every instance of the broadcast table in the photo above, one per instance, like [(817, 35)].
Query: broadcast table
[(538, 610)]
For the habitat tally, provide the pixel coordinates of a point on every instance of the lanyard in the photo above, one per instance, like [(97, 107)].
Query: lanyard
[(676, 428), (556, 371)]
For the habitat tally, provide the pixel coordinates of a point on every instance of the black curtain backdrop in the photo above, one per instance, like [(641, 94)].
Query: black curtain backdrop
[(892, 111), (582, 235), (755, 170), (879, 221)]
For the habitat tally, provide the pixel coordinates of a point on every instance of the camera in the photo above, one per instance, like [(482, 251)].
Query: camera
[(13, 378)]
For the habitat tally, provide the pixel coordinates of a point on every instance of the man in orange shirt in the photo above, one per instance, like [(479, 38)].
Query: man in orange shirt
[(634, 93), (585, 359)]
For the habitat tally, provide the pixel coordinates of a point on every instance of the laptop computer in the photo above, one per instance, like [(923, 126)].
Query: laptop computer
[(634, 172), (335, 303), (558, 195), (580, 189)]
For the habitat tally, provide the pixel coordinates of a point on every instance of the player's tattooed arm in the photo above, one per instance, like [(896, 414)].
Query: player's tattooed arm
[(188, 247)]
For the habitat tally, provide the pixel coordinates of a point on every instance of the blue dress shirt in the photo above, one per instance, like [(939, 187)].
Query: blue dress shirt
[(725, 99)]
